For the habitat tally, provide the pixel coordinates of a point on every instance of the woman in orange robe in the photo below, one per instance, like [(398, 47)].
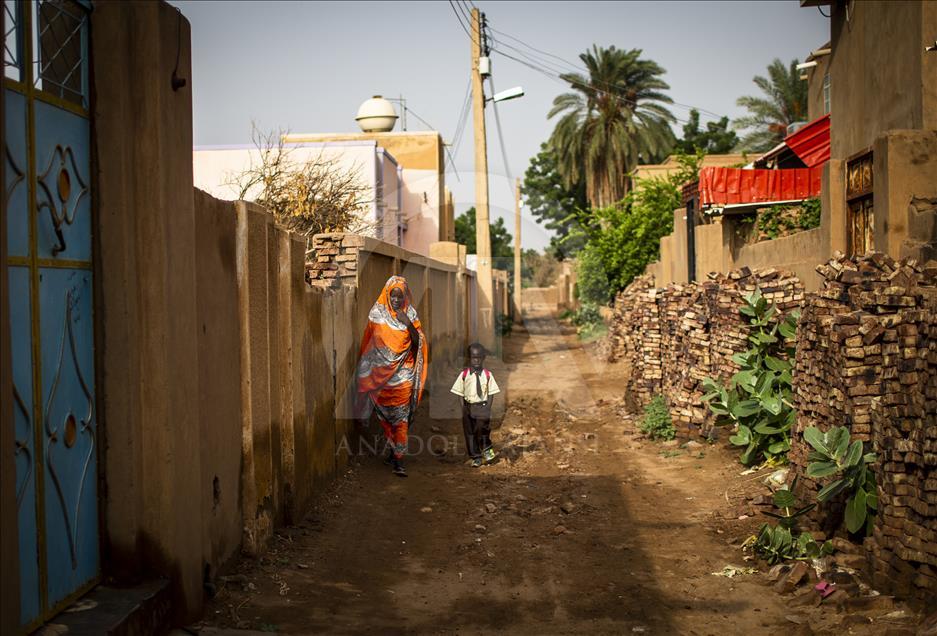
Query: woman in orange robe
[(392, 366)]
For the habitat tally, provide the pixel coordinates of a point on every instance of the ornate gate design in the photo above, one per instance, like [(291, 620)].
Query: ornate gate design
[(49, 226)]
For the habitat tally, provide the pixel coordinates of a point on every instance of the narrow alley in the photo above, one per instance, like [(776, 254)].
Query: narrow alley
[(581, 527)]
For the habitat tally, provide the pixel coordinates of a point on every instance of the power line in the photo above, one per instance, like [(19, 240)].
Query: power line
[(504, 153), (466, 13), (463, 118), (459, 18), (556, 57), (431, 127), (564, 82), (553, 67)]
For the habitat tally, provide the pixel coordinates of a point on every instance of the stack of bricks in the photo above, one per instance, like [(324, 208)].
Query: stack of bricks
[(333, 260), (621, 331), (635, 339), (867, 359), (677, 336), (685, 345), (730, 328)]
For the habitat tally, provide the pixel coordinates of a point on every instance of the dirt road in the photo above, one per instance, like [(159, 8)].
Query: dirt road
[(582, 527)]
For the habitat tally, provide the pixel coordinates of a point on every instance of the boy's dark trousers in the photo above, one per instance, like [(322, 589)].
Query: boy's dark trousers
[(477, 428)]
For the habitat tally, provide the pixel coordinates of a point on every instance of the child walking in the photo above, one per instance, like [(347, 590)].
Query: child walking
[(477, 387)]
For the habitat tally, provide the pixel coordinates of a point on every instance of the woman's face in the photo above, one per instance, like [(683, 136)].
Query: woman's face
[(396, 298)]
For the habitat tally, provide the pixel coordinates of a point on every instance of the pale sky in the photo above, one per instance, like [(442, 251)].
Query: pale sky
[(307, 66)]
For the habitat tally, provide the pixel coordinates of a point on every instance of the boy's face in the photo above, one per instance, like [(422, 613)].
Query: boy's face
[(476, 358)]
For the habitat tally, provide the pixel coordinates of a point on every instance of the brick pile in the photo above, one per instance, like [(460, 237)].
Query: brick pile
[(333, 260), (685, 344), (730, 328), (867, 359), (675, 337)]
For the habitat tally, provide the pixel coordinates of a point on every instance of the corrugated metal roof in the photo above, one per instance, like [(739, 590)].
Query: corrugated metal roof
[(725, 186), (812, 142)]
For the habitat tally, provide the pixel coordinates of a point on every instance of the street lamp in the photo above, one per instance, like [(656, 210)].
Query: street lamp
[(511, 93)]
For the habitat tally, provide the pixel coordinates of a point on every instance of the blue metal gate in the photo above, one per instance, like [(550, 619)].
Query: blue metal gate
[(49, 228)]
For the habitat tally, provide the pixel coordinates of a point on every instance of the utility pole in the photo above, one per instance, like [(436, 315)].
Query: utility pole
[(486, 329), (517, 250)]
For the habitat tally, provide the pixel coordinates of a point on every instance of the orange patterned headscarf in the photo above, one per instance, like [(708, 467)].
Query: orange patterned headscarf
[(388, 371)]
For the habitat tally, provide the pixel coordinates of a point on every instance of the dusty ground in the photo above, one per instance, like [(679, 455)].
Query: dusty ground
[(582, 527)]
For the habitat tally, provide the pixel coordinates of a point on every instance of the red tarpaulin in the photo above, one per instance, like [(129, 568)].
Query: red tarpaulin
[(812, 142), (726, 186)]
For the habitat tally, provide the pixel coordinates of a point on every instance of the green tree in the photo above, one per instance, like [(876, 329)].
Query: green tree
[(592, 279), (554, 204), (538, 270), (616, 118), (625, 238), (502, 243), (784, 102), (717, 139)]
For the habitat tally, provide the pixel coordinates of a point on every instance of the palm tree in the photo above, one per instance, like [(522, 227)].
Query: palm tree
[(769, 117), (615, 119)]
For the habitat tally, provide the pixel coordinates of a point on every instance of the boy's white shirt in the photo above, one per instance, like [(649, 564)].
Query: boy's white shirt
[(466, 388)]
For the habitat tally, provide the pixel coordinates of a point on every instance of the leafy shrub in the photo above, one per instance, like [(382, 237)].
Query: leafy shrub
[(625, 237), (592, 281), (588, 321), (777, 543), (781, 220), (657, 423), (833, 454), (757, 399), (785, 501)]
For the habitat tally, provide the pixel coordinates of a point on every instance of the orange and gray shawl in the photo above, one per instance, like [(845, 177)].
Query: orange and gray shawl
[(387, 373)]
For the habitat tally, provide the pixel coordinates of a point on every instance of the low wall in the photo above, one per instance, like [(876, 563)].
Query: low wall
[(798, 253), (717, 252), (540, 297)]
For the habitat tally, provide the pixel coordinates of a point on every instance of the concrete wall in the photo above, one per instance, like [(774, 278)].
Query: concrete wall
[(679, 263), (881, 77), (146, 326), (798, 253), (540, 297), (815, 75), (905, 193), (219, 369)]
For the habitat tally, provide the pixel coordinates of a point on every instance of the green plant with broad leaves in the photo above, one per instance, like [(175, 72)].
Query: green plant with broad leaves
[(786, 502), (657, 423), (834, 455), (757, 399), (780, 543), (777, 543)]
